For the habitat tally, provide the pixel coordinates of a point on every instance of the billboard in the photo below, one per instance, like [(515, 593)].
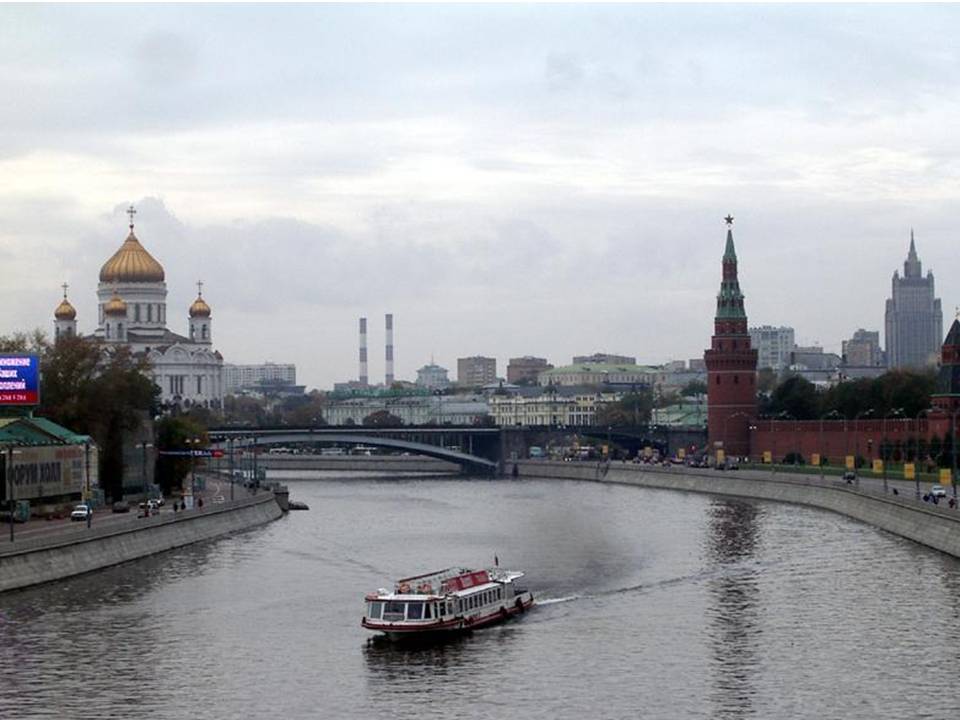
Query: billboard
[(50, 471), (19, 379)]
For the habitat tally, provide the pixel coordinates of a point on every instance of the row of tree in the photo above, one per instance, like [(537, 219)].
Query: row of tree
[(902, 393)]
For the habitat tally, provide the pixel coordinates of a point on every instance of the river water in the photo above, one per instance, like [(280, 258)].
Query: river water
[(653, 604)]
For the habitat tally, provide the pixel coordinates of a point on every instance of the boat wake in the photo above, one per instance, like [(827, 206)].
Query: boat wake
[(554, 601)]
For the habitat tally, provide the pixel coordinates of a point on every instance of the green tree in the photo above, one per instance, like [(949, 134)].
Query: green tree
[(172, 434), (796, 397), (383, 419), (694, 388), (634, 408)]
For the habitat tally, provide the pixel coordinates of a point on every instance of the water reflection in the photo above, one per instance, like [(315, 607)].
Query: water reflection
[(732, 539)]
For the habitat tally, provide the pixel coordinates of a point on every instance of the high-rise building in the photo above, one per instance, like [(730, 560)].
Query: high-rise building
[(433, 377), (239, 377), (526, 369), (863, 349), (477, 370), (773, 345), (731, 365), (604, 359), (914, 320)]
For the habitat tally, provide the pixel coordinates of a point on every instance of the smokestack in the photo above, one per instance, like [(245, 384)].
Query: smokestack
[(363, 352), (389, 355)]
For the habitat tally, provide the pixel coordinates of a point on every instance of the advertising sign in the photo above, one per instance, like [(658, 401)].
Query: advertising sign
[(944, 476), (721, 456), (51, 471), (851, 464), (878, 466), (767, 457), (19, 379), (909, 471), (681, 453), (815, 459)]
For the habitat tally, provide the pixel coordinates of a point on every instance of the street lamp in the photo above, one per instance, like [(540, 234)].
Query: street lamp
[(856, 440), (916, 443), (143, 467), (897, 413), (833, 415)]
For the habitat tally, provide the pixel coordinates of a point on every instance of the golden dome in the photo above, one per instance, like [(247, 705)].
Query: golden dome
[(65, 311), (199, 308), (116, 305), (131, 263)]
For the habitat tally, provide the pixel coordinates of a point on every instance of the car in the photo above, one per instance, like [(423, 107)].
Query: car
[(938, 491), (149, 507), (849, 476), (159, 500), (121, 506), (81, 512)]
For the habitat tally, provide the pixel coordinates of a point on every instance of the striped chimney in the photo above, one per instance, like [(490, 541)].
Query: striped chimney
[(364, 378), (389, 350)]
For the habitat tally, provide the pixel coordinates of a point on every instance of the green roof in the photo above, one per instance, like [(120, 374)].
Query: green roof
[(37, 431)]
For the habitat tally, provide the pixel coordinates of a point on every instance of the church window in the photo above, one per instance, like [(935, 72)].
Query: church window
[(192, 333), (101, 314), (203, 332), (136, 312), (149, 312), (107, 331), (119, 331), (56, 332), (199, 384)]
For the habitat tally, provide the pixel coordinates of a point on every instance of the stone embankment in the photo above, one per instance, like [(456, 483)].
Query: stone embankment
[(931, 525), (78, 550)]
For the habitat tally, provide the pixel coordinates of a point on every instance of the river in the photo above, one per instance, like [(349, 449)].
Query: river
[(653, 604)]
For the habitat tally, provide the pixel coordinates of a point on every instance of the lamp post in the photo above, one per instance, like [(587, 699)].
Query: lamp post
[(230, 464), (916, 443), (143, 467), (856, 441), (833, 415), (897, 413)]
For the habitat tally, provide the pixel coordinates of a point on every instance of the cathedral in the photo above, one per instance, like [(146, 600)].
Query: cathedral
[(132, 308)]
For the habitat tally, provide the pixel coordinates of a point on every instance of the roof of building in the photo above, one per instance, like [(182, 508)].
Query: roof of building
[(65, 311), (37, 431), (199, 307), (599, 368), (953, 336), (131, 263)]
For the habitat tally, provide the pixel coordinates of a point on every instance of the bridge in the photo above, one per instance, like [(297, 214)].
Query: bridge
[(475, 450)]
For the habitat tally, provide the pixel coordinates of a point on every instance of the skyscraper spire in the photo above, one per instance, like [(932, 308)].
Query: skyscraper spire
[(912, 266)]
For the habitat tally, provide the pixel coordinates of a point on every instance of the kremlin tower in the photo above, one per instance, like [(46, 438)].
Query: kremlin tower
[(731, 365)]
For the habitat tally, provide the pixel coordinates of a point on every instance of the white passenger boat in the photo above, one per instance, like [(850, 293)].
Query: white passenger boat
[(451, 600)]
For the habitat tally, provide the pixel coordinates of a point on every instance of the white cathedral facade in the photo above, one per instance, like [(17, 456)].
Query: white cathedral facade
[(132, 308)]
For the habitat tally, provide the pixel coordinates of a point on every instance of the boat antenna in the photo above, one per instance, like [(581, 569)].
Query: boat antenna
[(496, 561)]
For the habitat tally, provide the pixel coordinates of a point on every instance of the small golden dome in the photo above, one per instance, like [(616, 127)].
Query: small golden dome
[(199, 308), (131, 263), (115, 306), (65, 311)]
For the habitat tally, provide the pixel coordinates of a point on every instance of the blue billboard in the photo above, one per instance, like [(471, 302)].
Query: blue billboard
[(19, 379)]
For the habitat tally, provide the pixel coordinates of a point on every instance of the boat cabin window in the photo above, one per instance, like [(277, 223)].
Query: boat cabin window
[(375, 611), (441, 607), (426, 611), (393, 610), (414, 611)]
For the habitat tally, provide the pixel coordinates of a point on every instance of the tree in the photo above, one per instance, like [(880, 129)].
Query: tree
[(172, 434), (796, 397), (694, 388), (383, 419), (634, 408)]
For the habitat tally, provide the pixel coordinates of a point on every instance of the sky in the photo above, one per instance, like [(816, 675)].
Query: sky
[(506, 180)]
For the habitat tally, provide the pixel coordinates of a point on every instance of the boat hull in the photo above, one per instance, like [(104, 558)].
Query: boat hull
[(399, 631)]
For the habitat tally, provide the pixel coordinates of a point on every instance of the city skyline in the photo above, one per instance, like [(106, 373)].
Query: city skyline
[(562, 195)]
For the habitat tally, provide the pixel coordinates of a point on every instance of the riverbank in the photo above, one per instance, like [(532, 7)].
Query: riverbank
[(935, 526), (77, 550)]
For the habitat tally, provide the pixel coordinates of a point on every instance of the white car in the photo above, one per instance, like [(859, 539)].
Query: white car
[(81, 512), (938, 491)]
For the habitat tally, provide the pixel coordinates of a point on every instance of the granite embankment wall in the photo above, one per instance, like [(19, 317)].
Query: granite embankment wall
[(74, 551), (935, 526)]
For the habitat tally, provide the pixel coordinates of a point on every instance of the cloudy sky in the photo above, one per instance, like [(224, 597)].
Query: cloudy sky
[(507, 180)]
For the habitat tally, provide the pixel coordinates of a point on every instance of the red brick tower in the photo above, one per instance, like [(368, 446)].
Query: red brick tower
[(947, 395), (731, 365)]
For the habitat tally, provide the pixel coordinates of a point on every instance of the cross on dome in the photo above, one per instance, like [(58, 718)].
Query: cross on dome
[(64, 286), (131, 211), (199, 288)]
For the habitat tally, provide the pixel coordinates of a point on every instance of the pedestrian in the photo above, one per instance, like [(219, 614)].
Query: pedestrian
[(200, 503), (896, 492), (952, 503), (174, 506)]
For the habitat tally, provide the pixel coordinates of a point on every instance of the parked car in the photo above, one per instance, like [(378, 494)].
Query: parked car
[(938, 491), (121, 506), (849, 476), (81, 512), (159, 500), (149, 507)]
